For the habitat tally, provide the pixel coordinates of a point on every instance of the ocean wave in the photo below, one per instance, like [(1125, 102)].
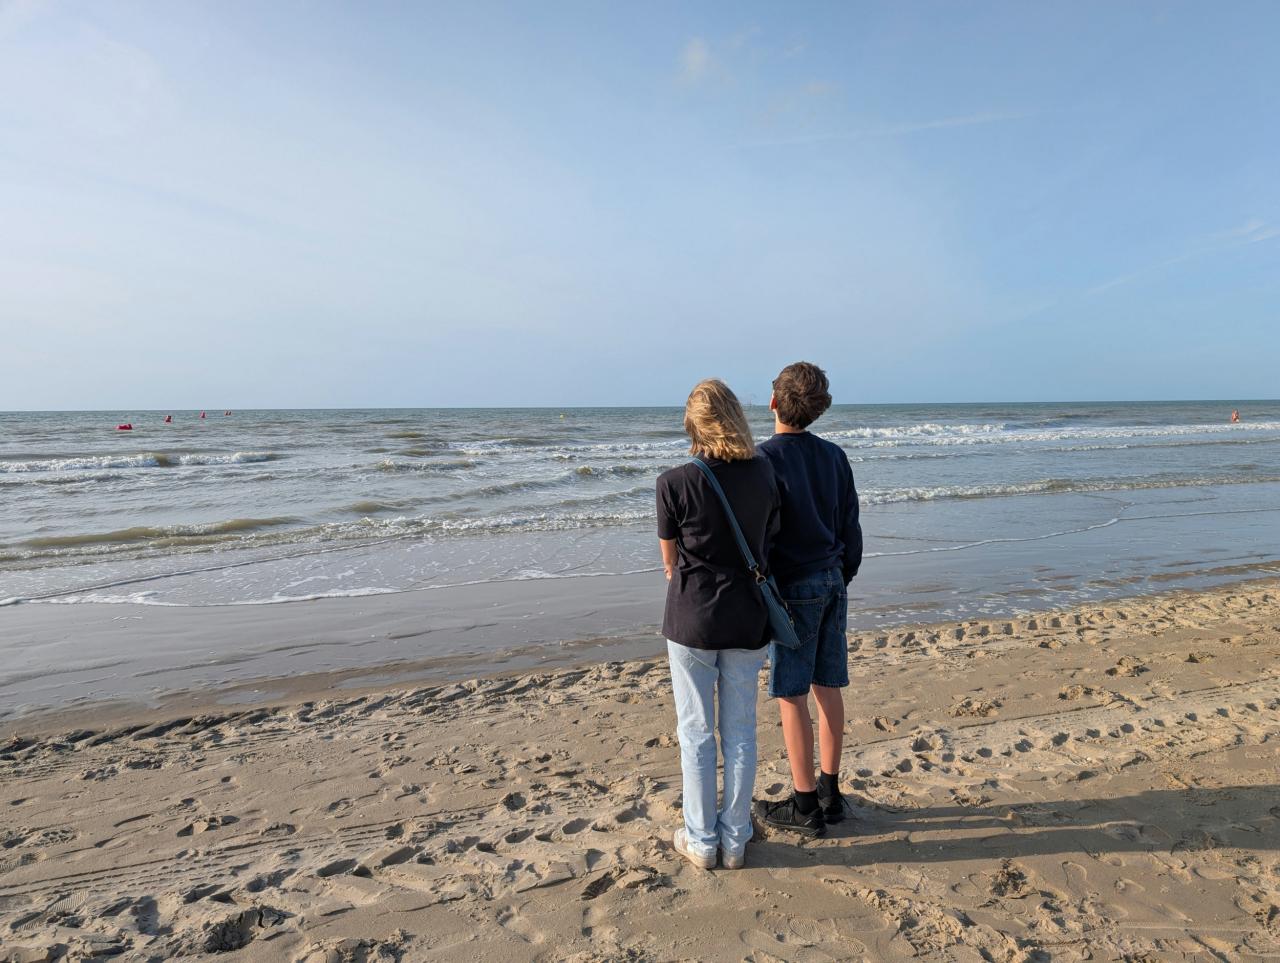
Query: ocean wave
[(453, 464), (607, 498), (152, 534), (1050, 486), (557, 449), (490, 445), (61, 480), (149, 459), (927, 430), (351, 593), (372, 507), (543, 522), (618, 471), (999, 434)]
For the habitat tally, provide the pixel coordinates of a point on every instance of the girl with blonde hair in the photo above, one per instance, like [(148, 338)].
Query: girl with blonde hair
[(715, 622)]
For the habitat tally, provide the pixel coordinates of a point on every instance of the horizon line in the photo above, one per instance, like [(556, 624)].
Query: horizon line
[(582, 407)]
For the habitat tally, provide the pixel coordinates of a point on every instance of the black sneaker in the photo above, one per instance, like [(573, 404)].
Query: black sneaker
[(832, 806), (783, 814)]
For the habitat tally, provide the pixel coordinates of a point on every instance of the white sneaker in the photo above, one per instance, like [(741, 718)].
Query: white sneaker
[(732, 862), (681, 842)]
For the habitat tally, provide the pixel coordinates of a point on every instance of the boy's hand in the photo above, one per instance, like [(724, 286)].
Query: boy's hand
[(666, 570)]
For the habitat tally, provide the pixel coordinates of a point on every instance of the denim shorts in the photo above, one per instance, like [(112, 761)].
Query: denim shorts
[(819, 606)]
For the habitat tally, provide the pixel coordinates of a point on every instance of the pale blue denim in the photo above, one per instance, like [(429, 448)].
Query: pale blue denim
[(695, 674)]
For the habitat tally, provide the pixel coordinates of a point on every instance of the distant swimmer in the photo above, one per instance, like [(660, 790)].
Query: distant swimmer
[(168, 419), (202, 414), (127, 426), (225, 413), (1235, 417)]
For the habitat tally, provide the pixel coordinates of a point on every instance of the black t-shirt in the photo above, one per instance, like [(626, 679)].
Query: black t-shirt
[(712, 600)]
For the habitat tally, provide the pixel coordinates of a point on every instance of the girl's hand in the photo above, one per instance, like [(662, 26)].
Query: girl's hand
[(669, 556)]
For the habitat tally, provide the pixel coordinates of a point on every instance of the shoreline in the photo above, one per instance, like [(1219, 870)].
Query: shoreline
[(1089, 783), (282, 691), (142, 655)]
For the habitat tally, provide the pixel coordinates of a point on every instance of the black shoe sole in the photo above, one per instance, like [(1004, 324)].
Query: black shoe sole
[(813, 832)]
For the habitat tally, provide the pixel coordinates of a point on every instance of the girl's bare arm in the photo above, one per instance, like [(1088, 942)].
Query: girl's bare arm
[(668, 556)]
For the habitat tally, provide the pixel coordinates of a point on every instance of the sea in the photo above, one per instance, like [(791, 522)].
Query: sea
[(968, 509)]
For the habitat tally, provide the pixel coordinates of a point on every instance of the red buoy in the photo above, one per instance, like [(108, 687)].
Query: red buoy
[(124, 427)]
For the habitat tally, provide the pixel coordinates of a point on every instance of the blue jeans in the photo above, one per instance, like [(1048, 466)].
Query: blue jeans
[(819, 605), (694, 677)]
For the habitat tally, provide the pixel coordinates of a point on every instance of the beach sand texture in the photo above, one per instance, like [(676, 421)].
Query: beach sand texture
[(1098, 784)]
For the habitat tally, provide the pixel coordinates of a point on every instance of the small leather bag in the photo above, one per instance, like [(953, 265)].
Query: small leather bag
[(781, 627)]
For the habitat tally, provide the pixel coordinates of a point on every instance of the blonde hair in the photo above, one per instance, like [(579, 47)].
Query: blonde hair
[(715, 423)]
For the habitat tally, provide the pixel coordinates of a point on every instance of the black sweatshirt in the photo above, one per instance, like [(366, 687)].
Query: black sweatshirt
[(820, 528)]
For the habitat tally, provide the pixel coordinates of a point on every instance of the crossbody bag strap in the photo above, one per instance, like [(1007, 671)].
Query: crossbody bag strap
[(733, 520)]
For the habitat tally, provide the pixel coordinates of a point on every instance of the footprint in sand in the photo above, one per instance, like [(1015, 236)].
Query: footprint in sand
[(1010, 881), (664, 741), (238, 930), (982, 708), (1074, 692), (926, 742), (514, 801), (510, 919), (356, 950), (1128, 666), (598, 886), (206, 824)]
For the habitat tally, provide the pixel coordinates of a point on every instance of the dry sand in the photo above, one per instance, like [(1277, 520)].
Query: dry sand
[(1097, 784)]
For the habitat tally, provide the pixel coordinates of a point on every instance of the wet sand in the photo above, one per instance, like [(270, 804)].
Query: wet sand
[(1095, 784), (67, 656), (80, 656)]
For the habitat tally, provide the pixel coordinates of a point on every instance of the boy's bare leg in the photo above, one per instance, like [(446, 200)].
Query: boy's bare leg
[(830, 728), (797, 734)]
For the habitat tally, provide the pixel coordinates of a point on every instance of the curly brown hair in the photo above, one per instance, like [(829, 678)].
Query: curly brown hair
[(802, 393)]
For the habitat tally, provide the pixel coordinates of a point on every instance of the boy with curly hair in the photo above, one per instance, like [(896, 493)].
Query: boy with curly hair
[(814, 556)]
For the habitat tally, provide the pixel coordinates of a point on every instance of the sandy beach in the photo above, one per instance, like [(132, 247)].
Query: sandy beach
[(359, 368), (1094, 784)]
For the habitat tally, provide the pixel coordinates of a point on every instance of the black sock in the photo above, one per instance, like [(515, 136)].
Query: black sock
[(806, 802), (827, 783)]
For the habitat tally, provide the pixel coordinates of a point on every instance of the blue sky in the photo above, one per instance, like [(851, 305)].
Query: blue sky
[(309, 204)]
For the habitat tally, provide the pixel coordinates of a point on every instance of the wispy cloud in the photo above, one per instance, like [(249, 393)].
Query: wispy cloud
[(695, 60), (896, 130), (1252, 231)]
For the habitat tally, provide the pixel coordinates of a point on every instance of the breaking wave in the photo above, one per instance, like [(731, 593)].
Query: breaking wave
[(150, 459)]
